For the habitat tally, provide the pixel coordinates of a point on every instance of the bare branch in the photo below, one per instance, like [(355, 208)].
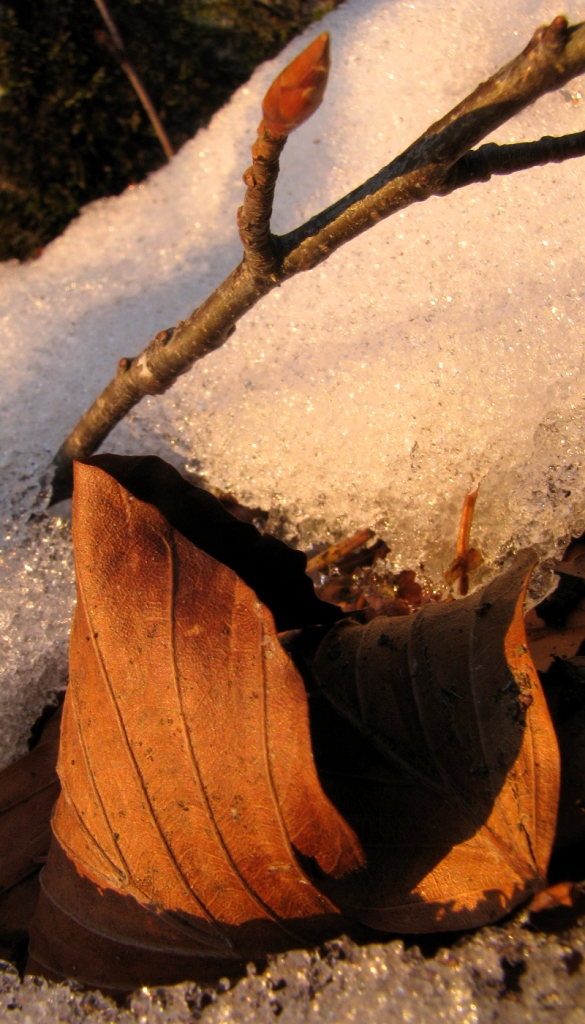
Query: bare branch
[(436, 164), (480, 164), (254, 216), (126, 64), (554, 55), (293, 96)]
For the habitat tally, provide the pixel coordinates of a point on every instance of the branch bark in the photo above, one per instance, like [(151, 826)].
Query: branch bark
[(441, 160), (480, 164), (255, 213)]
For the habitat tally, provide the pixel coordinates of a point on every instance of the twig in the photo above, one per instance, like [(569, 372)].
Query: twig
[(554, 55), (466, 559), (255, 213), (436, 164), (126, 64), (480, 164), (337, 551), (292, 98)]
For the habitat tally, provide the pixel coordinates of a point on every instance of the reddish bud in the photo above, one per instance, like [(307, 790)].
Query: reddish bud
[(298, 90)]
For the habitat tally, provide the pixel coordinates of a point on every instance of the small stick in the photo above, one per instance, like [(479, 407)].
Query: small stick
[(480, 164), (466, 521), (127, 66), (466, 559), (293, 96), (254, 216), (336, 551)]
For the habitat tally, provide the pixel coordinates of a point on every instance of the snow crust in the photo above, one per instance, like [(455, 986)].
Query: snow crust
[(500, 975), (444, 346)]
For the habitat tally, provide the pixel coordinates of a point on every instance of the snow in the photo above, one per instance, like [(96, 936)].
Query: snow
[(440, 348), (500, 975)]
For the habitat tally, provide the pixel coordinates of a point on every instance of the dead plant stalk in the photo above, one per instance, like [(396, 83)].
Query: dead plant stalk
[(119, 51)]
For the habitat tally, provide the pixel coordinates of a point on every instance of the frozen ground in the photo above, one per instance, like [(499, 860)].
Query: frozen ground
[(443, 346)]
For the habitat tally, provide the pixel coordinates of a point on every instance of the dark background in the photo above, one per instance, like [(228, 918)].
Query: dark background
[(71, 126)]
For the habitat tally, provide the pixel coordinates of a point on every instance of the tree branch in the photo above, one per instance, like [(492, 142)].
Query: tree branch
[(254, 216), (480, 164), (554, 55), (293, 96), (436, 164)]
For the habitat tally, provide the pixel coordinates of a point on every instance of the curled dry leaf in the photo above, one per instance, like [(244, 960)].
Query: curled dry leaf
[(444, 760), (193, 832), (188, 783), (298, 90)]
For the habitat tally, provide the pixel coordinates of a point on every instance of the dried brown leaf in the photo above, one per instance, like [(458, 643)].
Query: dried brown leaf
[(188, 783), (28, 790), (193, 832), (450, 774)]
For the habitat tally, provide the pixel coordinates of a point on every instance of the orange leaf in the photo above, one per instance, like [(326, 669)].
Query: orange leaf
[(450, 774), (298, 90), (188, 782)]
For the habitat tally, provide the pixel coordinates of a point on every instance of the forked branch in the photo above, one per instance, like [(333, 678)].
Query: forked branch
[(439, 162)]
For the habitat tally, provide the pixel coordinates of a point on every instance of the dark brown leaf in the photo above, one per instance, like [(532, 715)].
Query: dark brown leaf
[(28, 790), (448, 769)]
